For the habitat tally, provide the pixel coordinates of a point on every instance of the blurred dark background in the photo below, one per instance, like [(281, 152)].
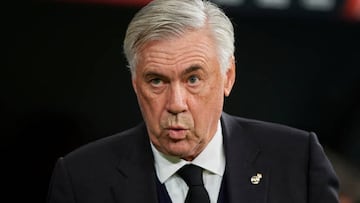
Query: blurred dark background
[(65, 82)]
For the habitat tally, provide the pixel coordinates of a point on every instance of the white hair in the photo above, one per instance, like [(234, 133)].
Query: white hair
[(164, 19)]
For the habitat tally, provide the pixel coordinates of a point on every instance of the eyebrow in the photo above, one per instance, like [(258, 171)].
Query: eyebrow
[(192, 68), (189, 70), (152, 74)]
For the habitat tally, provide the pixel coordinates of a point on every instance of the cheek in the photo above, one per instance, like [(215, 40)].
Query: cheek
[(145, 100), (145, 97), (152, 105), (208, 105), (213, 94)]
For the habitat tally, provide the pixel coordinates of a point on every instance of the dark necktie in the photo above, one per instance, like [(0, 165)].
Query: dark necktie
[(192, 175)]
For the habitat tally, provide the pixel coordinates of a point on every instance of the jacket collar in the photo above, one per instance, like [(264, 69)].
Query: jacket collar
[(241, 172), (246, 179), (136, 169)]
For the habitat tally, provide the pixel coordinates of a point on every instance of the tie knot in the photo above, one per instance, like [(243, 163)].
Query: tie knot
[(191, 174)]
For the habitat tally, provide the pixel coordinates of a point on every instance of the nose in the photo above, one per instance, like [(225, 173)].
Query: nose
[(176, 99)]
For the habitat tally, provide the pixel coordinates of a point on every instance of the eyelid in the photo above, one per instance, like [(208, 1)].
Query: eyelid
[(155, 79)]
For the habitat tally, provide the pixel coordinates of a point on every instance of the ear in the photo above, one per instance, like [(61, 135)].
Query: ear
[(229, 77), (133, 82)]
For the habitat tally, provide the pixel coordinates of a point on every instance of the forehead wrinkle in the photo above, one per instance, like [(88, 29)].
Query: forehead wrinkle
[(197, 55)]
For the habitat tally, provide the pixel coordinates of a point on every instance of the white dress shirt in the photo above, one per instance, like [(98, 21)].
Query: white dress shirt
[(212, 159)]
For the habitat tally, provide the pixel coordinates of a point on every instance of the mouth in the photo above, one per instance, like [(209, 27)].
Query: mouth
[(177, 132)]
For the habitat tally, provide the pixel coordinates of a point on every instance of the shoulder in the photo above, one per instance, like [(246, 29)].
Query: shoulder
[(266, 134), (110, 147), (259, 126)]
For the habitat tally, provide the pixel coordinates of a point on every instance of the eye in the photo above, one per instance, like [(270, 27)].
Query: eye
[(156, 82), (193, 79)]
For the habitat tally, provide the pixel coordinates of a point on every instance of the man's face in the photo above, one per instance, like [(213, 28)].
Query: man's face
[(180, 90)]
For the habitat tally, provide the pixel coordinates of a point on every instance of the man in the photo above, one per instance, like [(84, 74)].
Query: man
[(181, 57)]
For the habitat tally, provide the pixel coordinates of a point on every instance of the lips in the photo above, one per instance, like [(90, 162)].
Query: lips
[(176, 132)]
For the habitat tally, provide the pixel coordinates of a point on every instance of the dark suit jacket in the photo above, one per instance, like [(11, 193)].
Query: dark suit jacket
[(120, 168)]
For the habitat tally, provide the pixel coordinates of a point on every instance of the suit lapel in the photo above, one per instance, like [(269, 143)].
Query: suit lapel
[(137, 178), (246, 180)]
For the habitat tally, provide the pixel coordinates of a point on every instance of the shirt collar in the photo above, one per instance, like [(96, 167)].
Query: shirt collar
[(212, 158)]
